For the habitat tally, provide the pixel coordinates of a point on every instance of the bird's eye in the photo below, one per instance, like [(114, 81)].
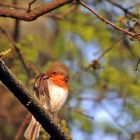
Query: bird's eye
[(54, 72)]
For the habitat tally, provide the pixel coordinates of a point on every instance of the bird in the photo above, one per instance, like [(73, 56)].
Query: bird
[(51, 88)]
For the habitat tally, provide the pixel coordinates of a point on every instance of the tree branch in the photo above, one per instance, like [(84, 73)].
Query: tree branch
[(136, 67), (30, 4), (125, 10), (95, 63), (132, 34), (35, 13), (32, 104), (20, 56), (16, 31)]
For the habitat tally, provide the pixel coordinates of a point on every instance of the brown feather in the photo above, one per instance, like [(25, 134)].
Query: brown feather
[(41, 89)]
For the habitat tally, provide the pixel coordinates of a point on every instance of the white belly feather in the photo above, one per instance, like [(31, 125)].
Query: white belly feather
[(58, 96)]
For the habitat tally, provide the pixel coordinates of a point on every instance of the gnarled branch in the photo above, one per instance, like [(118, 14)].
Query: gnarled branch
[(35, 13)]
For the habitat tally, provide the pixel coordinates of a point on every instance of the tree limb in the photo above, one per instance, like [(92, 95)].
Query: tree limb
[(20, 56), (28, 100), (132, 34), (35, 13)]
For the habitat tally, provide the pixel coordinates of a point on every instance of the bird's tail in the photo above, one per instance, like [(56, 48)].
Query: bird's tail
[(32, 131)]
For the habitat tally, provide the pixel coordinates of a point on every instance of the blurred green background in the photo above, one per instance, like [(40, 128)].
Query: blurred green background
[(104, 99)]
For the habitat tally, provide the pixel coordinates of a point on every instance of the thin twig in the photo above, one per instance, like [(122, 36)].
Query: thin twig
[(28, 71), (30, 4), (114, 119), (22, 126), (133, 35), (137, 64), (118, 41), (125, 10), (16, 31), (72, 9), (95, 63), (81, 113)]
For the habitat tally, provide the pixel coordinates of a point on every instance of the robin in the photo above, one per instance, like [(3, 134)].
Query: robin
[(51, 88)]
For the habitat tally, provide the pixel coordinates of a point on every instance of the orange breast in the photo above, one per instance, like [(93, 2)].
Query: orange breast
[(59, 80)]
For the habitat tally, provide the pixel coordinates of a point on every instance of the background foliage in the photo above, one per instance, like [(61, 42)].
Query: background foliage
[(104, 99)]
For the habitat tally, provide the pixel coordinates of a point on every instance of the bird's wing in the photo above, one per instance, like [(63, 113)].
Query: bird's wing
[(41, 89)]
